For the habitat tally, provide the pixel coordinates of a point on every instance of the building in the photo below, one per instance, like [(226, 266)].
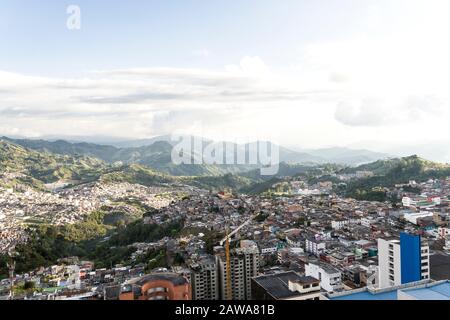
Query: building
[(285, 286), (403, 260), (205, 279), (422, 290), (315, 247), (435, 291), (330, 278), (244, 265), (157, 286)]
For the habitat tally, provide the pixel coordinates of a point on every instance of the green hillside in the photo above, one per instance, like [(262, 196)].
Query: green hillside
[(37, 168), (396, 171)]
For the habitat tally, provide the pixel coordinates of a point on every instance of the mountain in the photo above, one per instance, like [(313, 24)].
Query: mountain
[(22, 166), (29, 167), (348, 156), (157, 154), (388, 173)]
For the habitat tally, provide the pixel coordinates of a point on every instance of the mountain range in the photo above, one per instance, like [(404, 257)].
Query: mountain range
[(156, 153), (42, 163)]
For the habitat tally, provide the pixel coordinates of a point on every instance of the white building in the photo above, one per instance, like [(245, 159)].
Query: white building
[(414, 216), (407, 255), (408, 202), (367, 221), (315, 247), (268, 250), (308, 288), (330, 277), (339, 224)]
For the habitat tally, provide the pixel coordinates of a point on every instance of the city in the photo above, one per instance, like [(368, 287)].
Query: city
[(223, 158), (301, 242)]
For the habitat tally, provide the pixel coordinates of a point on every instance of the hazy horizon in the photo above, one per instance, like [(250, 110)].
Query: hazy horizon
[(356, 74)]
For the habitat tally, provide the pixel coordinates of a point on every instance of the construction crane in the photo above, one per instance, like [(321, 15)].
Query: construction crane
[(226, 240), (229, 235), (228, 266)]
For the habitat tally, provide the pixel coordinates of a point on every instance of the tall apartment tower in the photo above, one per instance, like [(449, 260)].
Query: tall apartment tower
[(402, 260), (205, 279), (244, 265)]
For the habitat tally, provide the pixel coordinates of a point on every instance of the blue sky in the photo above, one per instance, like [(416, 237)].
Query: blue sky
[(304, 73), (120, 34)]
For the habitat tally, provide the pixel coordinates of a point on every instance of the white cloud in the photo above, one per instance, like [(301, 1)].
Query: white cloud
[(387, 89), (142, 102), (204, 53), (250, 67)]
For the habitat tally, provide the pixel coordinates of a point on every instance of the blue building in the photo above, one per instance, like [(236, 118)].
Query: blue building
[(402, 261), (410, 255)]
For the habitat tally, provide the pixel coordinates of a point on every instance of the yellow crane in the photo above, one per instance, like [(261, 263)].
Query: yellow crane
[(229, 293), (228, 266)]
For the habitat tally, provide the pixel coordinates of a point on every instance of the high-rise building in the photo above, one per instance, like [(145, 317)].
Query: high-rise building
[(402, 260), (244, 265), (205, 279)]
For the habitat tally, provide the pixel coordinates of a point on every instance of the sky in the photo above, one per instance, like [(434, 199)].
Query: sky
[(303, 73)]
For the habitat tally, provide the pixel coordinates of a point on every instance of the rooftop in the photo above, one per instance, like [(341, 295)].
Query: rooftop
[(435, 292), (366, 295), (277, 285), (421, 290), (176, 279)]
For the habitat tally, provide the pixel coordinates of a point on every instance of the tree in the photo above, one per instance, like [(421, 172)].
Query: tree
[(29, 285)]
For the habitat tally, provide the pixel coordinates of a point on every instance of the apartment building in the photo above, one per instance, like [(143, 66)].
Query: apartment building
[(314, 246), (244, 265), (205, 279), (402, 260), (330, 278)]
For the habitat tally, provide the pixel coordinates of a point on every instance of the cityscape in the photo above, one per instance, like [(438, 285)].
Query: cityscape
[(224, 152)]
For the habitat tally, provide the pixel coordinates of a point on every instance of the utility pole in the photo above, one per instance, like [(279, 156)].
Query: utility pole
[(11, 266)]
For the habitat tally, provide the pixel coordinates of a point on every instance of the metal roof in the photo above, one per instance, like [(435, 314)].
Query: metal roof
[(436, 292)]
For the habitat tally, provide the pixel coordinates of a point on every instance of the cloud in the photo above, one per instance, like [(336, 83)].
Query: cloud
[(204, 53), (367, 113), (373, 111), (335, 85), (249, 66), (150, 100)]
